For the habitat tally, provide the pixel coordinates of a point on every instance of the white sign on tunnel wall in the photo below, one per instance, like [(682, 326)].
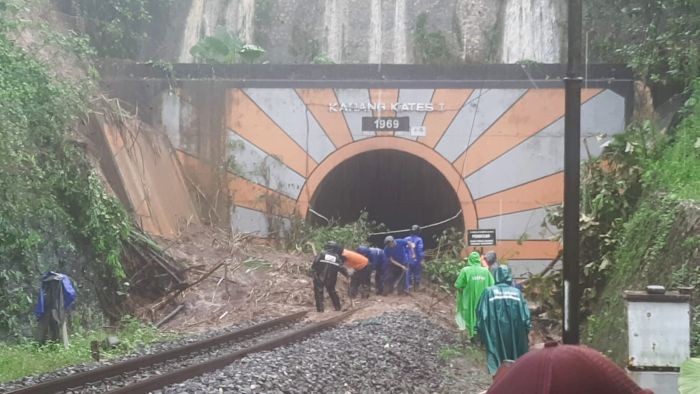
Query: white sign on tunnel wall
[(481, 237), (397, 107)]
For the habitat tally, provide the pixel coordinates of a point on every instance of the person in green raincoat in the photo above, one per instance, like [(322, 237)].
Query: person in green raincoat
[(503, 320), (471, 282)]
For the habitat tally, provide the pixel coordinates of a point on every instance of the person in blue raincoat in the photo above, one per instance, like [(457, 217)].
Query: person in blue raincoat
[(397, 252), (68, 292), (56, 297), (378, 264), (415, 264), (503, 320)]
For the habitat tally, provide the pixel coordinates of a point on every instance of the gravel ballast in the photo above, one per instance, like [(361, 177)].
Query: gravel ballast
[(152, 348), (394, 353)]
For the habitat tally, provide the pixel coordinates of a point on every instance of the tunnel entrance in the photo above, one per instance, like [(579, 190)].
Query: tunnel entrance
[(394, 187)]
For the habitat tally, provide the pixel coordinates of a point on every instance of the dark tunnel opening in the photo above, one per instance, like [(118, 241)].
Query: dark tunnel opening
[(395, 188)]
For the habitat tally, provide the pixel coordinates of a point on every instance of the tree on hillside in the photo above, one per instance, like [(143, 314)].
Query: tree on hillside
[(659, 39)]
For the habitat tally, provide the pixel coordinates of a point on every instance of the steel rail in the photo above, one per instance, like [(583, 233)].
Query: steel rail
[(161, 381), (99, 374)]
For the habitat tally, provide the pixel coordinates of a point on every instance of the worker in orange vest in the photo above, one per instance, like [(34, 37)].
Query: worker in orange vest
[(360, 278)]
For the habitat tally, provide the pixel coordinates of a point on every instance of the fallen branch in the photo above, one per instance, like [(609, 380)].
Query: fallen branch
[(170, 315), (213, 294), (551, 264), (187, 286)]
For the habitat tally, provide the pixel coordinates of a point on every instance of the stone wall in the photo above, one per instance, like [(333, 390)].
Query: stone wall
[(346, 31)]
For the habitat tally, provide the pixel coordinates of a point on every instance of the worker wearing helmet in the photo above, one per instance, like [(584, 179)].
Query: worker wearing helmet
[(378, 264), (415, 261), (397, 252), (324, 270)]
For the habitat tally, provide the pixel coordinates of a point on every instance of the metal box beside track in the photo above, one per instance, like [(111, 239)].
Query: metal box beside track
[(659, 329)]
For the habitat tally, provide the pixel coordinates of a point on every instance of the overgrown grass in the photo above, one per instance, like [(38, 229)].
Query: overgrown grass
[(29, 358), (678, 169), (473, 354), (653, 250), (651, 238)]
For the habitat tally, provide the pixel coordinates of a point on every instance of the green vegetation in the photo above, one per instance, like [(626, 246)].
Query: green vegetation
[(55, 213), (301, 234), (660, 39), (225, 48), (322, 59), (678, 168), (642, 257), (431, 47), (119, 28), (646, 243), (689, 381), (444, 266), (472, 353), (30, 358)]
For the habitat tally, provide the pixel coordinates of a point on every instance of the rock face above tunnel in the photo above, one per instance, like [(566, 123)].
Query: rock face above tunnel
[(373, 31)]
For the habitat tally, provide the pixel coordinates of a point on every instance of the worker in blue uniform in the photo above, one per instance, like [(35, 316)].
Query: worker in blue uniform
[(415, 264), (378, 264), (397, 252)]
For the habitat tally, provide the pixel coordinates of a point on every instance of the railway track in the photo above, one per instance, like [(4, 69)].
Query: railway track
[(155, 371)]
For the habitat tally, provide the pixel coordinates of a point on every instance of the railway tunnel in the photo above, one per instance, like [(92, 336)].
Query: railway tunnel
[(396, 188), (488, 141)]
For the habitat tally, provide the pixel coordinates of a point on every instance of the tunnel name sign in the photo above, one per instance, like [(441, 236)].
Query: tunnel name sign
[(396, 107), (481, 237)]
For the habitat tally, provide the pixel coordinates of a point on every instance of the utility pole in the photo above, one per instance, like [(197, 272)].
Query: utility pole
[(572, 173)]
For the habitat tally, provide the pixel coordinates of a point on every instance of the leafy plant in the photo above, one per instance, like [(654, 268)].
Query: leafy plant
[(689, 380), (660, 39), (55, 213), (225, 48), (301, 234), (119, 28), (322, 59), (444, 266), (611, 187)]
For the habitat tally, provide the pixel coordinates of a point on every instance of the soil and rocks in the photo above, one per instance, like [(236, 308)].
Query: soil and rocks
[(391, 344), (397, 352)]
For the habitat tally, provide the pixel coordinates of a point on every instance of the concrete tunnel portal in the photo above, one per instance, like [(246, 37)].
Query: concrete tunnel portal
[(395, 188)]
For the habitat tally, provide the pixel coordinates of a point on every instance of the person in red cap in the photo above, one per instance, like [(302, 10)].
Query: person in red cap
[(564, 369)]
